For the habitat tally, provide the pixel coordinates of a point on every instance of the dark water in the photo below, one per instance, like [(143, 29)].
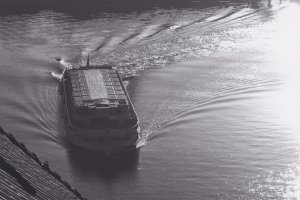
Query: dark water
[(216, 91)]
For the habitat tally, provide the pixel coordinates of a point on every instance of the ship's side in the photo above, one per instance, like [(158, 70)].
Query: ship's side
[(99, 114)]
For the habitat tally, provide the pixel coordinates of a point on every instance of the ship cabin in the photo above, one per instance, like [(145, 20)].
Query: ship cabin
[(96, 99)]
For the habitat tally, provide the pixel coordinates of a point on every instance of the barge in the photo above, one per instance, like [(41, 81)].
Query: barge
[(99, 114)]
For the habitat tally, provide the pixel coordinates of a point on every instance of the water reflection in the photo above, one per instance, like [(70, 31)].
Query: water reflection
[(87, 164)]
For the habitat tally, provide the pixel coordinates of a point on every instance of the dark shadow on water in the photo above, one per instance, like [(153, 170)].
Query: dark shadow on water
[(104, 167), (86, 9), (81, 8)]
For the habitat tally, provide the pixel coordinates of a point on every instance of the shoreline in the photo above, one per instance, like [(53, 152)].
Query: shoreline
[(26, 161)]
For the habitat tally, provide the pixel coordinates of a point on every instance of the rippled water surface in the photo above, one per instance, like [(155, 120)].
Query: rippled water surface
[(216, 88)]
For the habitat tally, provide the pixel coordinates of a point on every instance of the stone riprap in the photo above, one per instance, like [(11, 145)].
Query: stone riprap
[(24, 176)]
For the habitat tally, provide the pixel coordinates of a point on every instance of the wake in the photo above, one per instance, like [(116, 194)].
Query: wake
[(62, 65)]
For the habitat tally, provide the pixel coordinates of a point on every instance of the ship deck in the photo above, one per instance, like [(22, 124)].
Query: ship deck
[(95, 98), (96, 87)]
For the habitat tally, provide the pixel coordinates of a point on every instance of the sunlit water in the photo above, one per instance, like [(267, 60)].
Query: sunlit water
[(216, 89)]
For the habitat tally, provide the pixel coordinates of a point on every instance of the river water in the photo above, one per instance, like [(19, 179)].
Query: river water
[(216, 88)]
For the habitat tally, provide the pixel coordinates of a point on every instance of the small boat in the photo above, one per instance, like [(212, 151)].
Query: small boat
[(99, 114)]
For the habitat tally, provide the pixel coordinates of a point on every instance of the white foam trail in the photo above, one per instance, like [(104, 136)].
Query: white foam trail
[(57, 76), (140, 143), (174, 27), (64, 65)]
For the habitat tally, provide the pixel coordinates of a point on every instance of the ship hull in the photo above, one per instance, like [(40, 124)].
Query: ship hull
[(100, 136), (103, 145)]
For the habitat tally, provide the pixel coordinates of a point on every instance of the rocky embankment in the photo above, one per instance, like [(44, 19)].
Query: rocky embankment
[(24, 176)]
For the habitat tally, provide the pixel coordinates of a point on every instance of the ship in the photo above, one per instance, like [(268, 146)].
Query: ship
[(100, 116)]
